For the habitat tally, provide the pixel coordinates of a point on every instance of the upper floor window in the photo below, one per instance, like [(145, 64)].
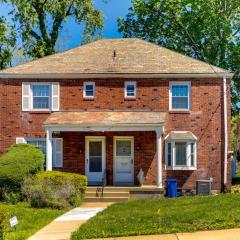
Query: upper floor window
[(179, 96), (40, 96), (89, 90), (130, 90)]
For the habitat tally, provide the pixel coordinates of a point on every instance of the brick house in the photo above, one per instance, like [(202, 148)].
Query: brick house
[(116, 106)]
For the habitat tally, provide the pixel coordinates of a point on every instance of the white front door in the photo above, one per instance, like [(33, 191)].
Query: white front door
[(123, 160), (95, 159)]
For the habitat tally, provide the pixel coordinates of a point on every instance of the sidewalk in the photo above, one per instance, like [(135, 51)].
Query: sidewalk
[(62, 227), (231, 234)]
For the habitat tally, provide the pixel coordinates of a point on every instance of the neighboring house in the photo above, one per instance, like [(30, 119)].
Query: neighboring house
[(122, 105)]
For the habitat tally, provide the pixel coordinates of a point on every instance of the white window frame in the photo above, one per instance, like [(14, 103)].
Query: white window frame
[(134, 83), (31, 96), (188, 155), (182, 83), (26, 140), (84, 90)]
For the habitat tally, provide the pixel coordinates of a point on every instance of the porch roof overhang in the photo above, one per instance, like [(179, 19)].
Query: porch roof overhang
[(105, 121)]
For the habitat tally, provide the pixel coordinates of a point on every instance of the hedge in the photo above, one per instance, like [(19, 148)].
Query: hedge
[(55, 189), (19, 161)]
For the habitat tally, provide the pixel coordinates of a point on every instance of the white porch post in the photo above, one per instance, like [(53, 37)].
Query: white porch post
[(159, 157), (49, 151)]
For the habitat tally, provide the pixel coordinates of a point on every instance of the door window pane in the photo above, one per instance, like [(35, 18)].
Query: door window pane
[(123, 148), (95, 156), (169, 160), (181, 159)]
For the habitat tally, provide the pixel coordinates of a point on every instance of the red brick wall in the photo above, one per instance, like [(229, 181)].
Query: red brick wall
[(205, 120), (74, 161)]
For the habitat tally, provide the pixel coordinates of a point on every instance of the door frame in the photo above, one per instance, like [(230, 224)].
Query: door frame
[(114, 157), (96, 138)]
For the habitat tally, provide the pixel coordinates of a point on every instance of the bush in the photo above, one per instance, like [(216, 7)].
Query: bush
[(19, 161), (55, 189), (2, 219)]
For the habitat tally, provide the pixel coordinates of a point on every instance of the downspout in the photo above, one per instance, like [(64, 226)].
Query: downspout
[(225, 131)]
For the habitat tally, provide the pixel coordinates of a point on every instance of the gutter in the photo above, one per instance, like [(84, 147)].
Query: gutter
[(111, 75), (225, 131)]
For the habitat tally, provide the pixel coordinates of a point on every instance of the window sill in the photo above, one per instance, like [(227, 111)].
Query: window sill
[(88, 98), (181, 168), (39, 111), (180, 111), (130, 98)]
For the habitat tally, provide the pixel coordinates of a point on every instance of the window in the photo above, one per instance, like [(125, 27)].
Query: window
[(179, 96), (40, 96), (38, 142), (57, 149), (89, 90), (181, 155), (130, 90)]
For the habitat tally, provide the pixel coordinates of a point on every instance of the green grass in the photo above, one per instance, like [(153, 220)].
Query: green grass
[(186, 214), (30, 219)]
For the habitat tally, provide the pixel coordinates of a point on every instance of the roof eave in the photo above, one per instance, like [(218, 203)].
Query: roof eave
[(112, 75)]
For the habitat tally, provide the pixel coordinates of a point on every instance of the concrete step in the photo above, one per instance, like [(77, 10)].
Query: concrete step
[(106, 199), (108, 194), (110, 189)]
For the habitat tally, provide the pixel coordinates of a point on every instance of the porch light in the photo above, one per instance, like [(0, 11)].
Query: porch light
[(138, 147), (80, 150)]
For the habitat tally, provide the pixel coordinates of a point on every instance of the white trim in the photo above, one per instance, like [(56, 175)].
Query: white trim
[(173, 155), (115, 138), (20, 140), (126, 128), (225, 131), (84, 90), (134, 83), (180, 132), (159, 150), (113, 75), (49, 150), (178, 83), (96, 138), (31, 96)]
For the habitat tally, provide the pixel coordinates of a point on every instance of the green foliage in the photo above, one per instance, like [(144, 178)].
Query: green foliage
[(2, 218), (30, 219), (41, 22), (7, 43), (204, 29), (234, 121), (55, 189), (185, 214), (19, 161)]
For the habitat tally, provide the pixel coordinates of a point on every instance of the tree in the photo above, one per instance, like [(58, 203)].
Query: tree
[(40, 22), (204, 29), (7, 42)]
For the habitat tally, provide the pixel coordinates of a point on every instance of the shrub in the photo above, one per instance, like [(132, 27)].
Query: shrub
[(55, 189), (2, 219), (19, 161)]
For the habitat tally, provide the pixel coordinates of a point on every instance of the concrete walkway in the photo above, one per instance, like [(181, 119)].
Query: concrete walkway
[(231, 234), (62, 227)]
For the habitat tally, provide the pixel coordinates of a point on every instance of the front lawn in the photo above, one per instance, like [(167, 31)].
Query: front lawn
[(30, 219), (186, 214)]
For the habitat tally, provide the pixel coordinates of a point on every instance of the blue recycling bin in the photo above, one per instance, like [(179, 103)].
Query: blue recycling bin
[(171, 188)]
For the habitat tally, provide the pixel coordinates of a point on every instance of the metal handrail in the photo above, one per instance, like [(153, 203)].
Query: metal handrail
[(100, 189)]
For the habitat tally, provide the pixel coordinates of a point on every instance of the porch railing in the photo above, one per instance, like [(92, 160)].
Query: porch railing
[(100, 189)]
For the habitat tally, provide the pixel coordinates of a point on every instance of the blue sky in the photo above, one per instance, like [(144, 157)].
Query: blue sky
[(70, 36)]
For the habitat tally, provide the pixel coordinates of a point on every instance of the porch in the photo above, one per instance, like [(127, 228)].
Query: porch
[(114, 144)]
